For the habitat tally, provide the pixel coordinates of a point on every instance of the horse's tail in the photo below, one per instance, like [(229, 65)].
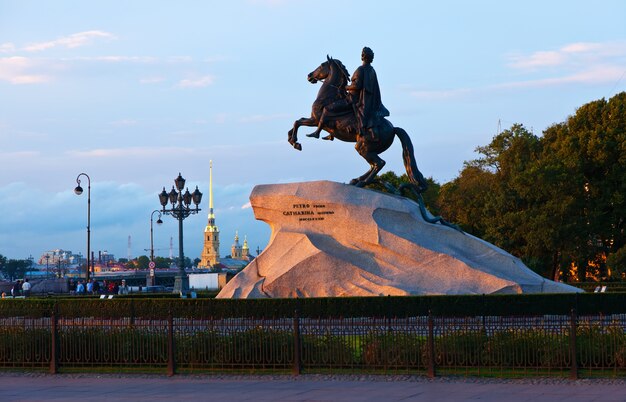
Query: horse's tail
[(415, 176)]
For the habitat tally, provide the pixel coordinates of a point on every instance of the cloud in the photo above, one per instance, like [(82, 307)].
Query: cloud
[(569, 56), (132, 152), (594, 75), (7, 47), (538, 59), (18, 70), (575, 63), (71, 41), (114, 59), (200, 82)]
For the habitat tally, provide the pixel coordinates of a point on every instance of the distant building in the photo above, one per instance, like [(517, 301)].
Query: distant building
[(210, 256), (239, 252), (59, 256), (105, 258)]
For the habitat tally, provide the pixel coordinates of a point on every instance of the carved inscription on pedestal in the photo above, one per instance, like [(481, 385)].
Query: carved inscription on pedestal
[(309, 212)]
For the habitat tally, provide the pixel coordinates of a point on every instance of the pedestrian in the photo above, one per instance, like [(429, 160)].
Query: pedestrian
[(26, 287), (16, 290), (90, 287), (80, 288), (96, 287), (72, 287), (123, 289)]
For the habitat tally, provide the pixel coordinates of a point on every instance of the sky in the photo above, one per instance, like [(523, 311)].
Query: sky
[(134, 92)]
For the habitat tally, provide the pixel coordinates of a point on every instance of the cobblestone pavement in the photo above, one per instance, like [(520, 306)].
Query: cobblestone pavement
[(94, 387)]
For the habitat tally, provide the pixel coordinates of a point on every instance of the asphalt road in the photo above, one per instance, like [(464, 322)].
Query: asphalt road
[(93, 387)]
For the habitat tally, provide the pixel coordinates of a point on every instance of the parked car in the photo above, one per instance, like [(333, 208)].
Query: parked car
[(154, 289)]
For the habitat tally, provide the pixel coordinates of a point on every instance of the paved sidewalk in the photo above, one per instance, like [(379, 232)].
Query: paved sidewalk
[(93, 387)]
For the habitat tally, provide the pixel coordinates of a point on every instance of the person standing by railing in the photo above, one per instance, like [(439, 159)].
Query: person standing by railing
[(123, 289), (96, 287), (26, 287), (16, 290), (80, 288)]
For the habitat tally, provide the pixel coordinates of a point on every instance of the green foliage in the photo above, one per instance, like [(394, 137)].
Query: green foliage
[(22, 347), (162, 262), (324, 350), (142, 262), (227, 342), (552, 200), (430, 196), (617, 263), (395, 350), (14, 269), (3, 261), (446, 306)]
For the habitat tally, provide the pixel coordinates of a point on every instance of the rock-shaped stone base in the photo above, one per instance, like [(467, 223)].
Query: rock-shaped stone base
[(330, 239)]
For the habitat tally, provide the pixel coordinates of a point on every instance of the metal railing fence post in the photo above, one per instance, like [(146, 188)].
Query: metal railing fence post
[(171, 361), (572, 346), (431, 346), (54, 345), (297, 360)]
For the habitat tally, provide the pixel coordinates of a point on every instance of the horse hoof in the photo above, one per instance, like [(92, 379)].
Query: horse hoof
[(313, 135), (297, 146), (328, 138)]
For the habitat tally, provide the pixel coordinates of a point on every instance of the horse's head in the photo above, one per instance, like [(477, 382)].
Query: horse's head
[(320, 73)]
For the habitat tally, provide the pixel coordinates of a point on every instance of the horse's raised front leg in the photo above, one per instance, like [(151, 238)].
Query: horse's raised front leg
[(293, 133), (320, 125)]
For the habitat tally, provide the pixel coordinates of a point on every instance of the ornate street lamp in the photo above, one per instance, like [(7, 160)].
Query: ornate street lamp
[(180, 209), (79, 190), (159, 222)]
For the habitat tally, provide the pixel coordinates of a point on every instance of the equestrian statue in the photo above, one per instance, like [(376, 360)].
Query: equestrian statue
[(355, 113)]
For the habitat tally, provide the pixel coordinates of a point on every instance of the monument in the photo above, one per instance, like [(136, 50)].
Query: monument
[(331, 239)]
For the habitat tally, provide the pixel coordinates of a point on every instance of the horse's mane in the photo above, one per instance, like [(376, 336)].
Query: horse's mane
[(342, 68)]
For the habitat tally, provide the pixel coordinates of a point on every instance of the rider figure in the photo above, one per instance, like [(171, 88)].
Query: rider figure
[(365, 97)]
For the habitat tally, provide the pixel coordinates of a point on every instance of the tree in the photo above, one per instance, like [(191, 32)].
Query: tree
[(142, 262), (559, 201), (14, 269), (590, 148), (3, 261), (162, 262), (616, 263), (187, 262), (430, 196)]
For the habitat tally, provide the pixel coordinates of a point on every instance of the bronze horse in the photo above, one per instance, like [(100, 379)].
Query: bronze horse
[(333, 113)]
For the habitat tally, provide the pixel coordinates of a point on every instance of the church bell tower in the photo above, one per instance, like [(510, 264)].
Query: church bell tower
[(211, 251)]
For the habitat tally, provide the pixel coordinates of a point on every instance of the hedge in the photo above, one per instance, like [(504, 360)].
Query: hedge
[(448, 306)]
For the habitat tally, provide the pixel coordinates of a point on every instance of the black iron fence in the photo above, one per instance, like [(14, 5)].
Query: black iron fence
[(557, 345)]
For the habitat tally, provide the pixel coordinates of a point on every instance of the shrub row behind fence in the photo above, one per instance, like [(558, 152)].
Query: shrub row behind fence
[(421, 344), (444, 306)]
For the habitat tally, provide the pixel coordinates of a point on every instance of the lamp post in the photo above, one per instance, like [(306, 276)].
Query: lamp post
[(79, 190), (180, 210), (47, 270), (151, 266), (159, 222)]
